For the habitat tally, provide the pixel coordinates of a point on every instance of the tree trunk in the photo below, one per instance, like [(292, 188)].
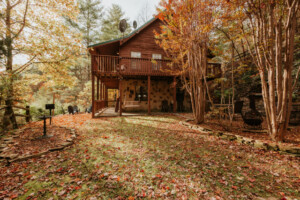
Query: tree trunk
[(9, 118), (273, 55), (196, 84)]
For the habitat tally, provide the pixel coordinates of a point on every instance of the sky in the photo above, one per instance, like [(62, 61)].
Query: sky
[(133, 8)]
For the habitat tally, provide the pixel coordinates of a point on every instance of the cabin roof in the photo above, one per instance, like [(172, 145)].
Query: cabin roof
[(126, 38)]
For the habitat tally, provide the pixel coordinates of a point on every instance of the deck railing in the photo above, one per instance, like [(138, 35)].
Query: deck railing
[(130, 66), (140, 66), (105, 63)]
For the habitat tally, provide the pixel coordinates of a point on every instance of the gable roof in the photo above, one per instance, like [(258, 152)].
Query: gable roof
[(126, 38)]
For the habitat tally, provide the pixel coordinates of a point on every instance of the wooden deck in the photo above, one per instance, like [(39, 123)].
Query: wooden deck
[(115, 65)]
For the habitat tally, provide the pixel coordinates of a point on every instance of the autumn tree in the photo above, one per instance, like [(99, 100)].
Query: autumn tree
[(110, 24), (34, 31), (185, 36), (268, 27)]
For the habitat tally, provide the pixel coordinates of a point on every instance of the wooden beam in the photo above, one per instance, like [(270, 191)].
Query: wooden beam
[(106, 96), (93, 96), (174, 95), (120, 98), (19, 107), (98, 81), (149, 95), (103, 92), (21, 115), (100, 91)]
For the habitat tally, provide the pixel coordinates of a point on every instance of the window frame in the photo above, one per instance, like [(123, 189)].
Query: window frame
[(135, 63), (158, 64)]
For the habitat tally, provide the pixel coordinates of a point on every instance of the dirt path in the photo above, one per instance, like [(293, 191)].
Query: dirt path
[(152, 158)]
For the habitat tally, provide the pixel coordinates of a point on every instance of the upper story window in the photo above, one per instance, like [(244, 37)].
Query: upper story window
[(136, 54), (156, 56), (136, 63), (156, 65)]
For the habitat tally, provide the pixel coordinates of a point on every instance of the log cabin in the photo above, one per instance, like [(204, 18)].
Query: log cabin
[(138, 68)]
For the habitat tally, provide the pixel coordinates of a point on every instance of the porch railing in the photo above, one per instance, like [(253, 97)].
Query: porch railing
[(127, 65), (141, 66), (105, 63), (144, 66)]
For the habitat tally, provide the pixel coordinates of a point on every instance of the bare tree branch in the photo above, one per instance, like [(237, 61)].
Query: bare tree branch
[(23, 67), (24, 20)]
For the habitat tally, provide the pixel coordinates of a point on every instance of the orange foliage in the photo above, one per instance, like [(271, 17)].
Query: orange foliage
[(71, 121)]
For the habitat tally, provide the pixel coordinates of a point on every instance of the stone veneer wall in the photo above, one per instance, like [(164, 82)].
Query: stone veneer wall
[(160, 90)]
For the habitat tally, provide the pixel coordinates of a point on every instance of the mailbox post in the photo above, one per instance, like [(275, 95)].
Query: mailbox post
[(45, 126), (50, 107)]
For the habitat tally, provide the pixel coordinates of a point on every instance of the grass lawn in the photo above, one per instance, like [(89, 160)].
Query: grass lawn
[(151, 157)]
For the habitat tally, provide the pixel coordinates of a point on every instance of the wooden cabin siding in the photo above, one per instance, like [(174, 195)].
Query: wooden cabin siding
[(111, 49), (143, 42)]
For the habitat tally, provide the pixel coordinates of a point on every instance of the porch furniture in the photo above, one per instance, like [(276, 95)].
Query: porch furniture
[(131, 104)]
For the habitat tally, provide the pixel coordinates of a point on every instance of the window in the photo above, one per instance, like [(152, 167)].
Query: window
[(156, 65), (136, 54), (136, 63), (156, 56), (141, 94)]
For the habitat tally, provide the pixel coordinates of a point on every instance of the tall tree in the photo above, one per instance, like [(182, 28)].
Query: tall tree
[(268, 28), (88, 23), (37, 37), (185, 36), (110, 24)]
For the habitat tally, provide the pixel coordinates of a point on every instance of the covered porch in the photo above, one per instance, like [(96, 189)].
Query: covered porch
[(127, 99)]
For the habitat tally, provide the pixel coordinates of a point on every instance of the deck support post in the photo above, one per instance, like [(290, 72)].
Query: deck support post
[(120, 98), (103, 92), (98, 81), (100, 89), (174, 94), (93, 95), (106, 96), (149, 95)]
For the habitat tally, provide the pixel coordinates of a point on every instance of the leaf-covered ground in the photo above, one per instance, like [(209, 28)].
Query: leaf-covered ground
[(292, 135), (151, 157)]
